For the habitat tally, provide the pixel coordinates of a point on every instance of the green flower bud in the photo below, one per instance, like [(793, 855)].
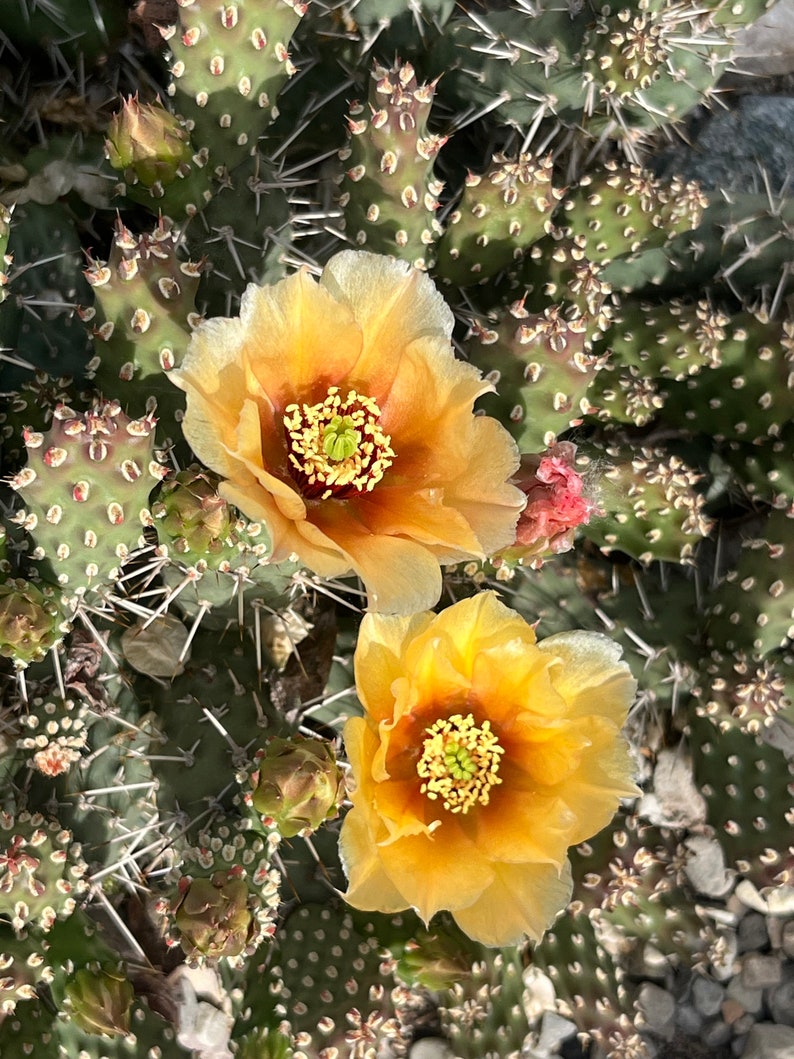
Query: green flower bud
[(213, 916), (298, 785), (193, 515), (29, 622), (101, 1001), (435, 959), (147, 143), (264, 1043)]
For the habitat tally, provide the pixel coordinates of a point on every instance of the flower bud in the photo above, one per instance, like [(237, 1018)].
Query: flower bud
[(147, 143), (298, 785), (101, 1001), (556, 504), (213, 916), (436, 959), (28, 622), (193, 514), (264, 1043)]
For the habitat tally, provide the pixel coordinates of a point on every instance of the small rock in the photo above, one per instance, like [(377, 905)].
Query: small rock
[(539, 993), (766, 47), (705, 866), (676, 801), (752, 933), (715, 1033), (732, 1011), (777, 902), (780, 901), (431, 1048), (743, 1025), (688, 1020), (768, 1041), (781, 1003), (787, 938), (707, 996), (554, 1029), (723, 955), (658, 1010), (761, 972), (749, 896), (774, 929), (750, 999), (780, 735)]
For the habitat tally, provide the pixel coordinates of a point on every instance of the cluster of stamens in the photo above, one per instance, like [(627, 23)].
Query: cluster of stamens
[(460, 762), (337, 448)]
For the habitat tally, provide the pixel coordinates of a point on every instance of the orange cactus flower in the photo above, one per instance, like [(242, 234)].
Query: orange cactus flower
[(482, 756), (340, 418)]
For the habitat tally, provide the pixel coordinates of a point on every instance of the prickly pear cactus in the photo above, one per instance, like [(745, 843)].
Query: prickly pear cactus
[(361, 362)]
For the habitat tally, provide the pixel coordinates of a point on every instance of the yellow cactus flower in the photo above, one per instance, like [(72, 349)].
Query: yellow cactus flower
[(340, 418), (482, 756)]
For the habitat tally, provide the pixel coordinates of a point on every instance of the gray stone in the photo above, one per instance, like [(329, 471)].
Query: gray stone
[(676, 801), (760, 972), (743, 1025), (787, 938), (767, 46), (752, 934), (733, 146), (705, 866), (781, 1003), (431, 1048), (688, 1020), (715, 1033), (707, 996), (554, 1029), (723, 960), (658, 1010), (780, 735), (768, 1041), (750, 999)]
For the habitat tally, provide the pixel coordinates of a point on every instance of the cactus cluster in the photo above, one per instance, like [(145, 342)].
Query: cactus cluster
[(175, 681)]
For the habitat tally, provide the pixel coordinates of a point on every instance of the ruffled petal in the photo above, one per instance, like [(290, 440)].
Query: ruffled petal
[(477, 624), (400, 576), (522, 827), (394, 304), (423, 516), (299, 339), (378, 658), (590, 675), (523, 899), (444, 870), (370, 888)]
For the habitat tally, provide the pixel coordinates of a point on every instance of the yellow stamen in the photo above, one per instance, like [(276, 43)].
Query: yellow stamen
[(460, 762), (337, 448)]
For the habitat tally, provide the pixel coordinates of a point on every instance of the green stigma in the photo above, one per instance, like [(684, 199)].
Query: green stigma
[(340, 438), (459, 762)]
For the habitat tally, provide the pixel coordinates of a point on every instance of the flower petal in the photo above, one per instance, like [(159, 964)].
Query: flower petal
[(427, 870), (299, 339), (378, 658), (370, 888), (522, 899), (476, 624), (590, 675), (395, 306), (522, 827), (401, 576)]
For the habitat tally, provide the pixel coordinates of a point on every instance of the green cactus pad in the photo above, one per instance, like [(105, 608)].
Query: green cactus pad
[(86, 489), (388, 193)]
